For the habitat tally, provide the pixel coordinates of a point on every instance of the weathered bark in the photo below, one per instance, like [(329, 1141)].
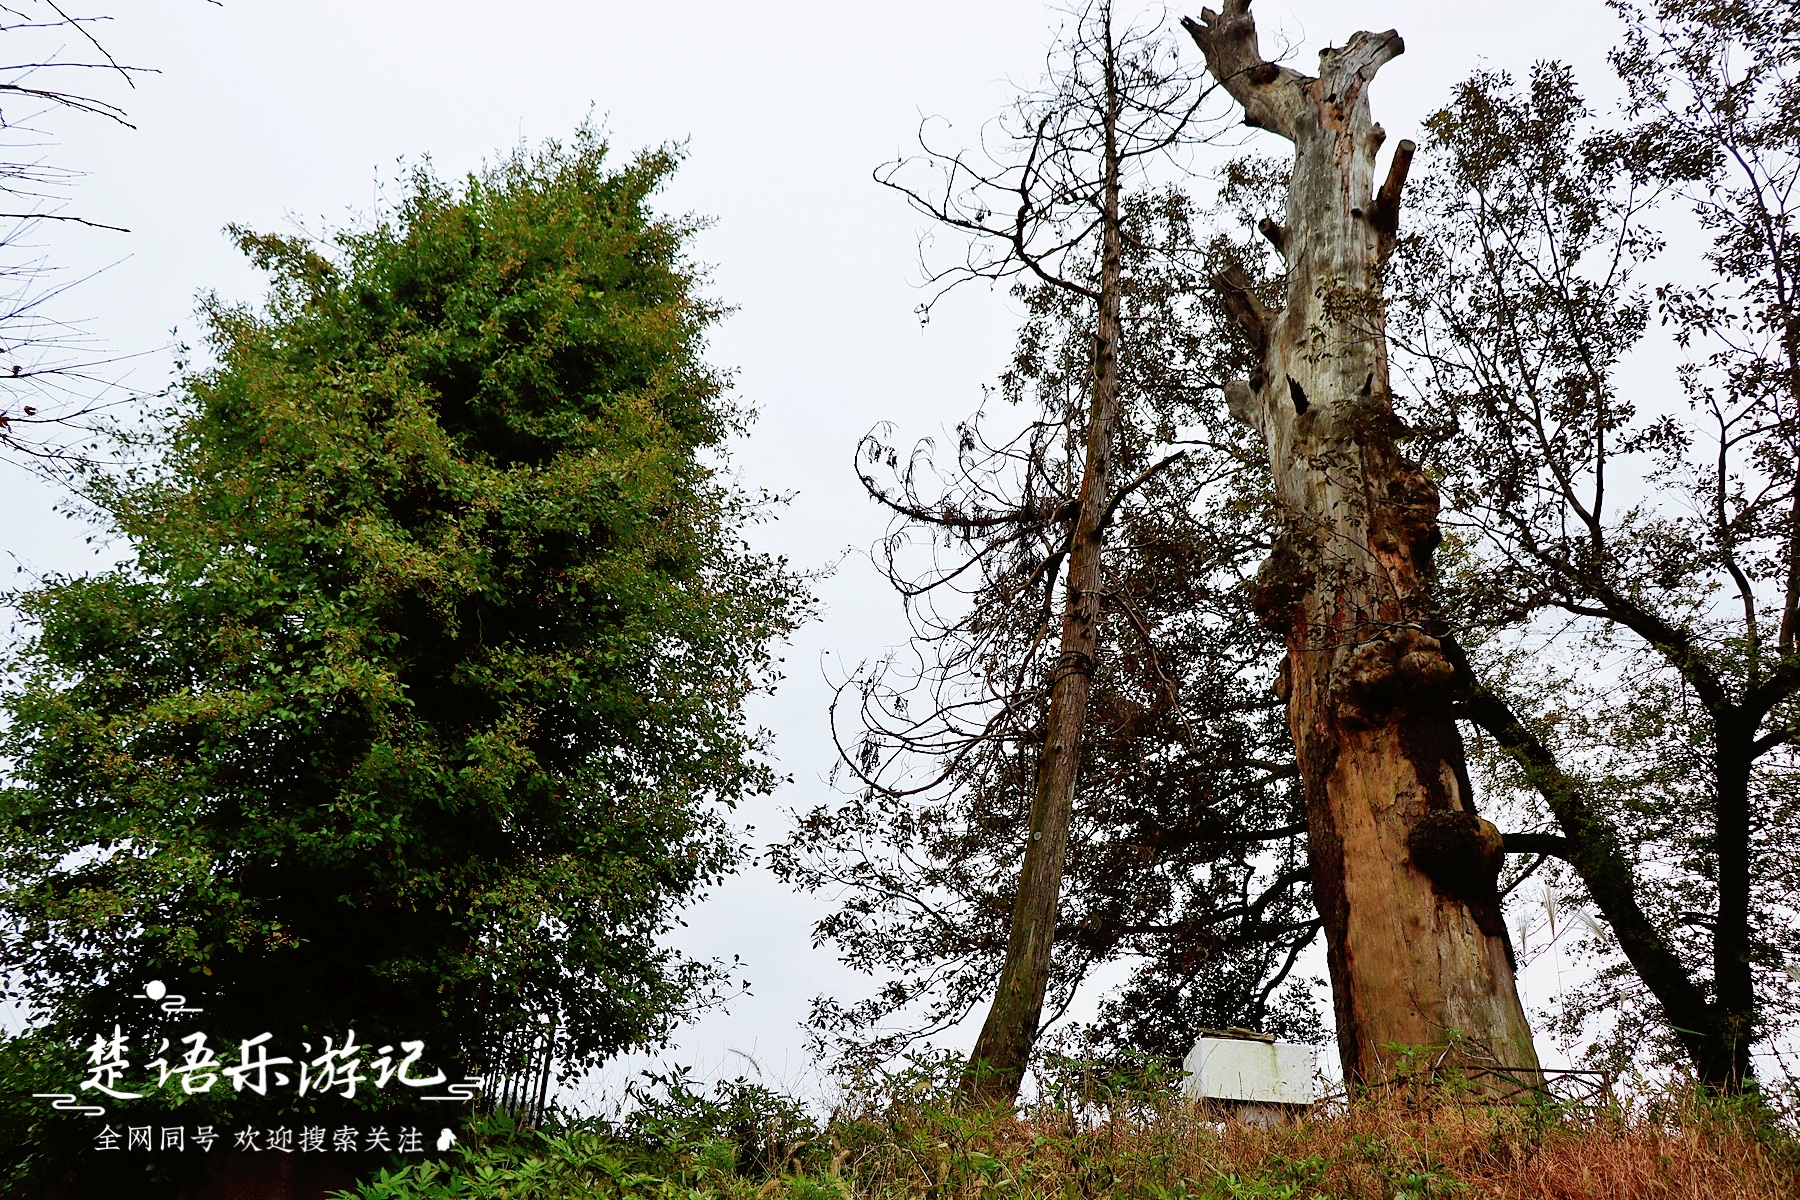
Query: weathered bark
[(1003, 1050), (1403, 869)]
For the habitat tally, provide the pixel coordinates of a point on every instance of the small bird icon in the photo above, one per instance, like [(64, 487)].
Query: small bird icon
[(446, 1139)]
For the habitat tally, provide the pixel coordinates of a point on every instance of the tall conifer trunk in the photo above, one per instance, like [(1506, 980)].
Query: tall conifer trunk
[(1003, 1049), (1403, 870)]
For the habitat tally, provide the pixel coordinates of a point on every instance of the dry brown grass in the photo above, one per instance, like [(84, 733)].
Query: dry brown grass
[(1372, 1150)]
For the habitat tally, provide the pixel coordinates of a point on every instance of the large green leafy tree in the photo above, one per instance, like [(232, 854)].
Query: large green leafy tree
[(416, 702), (1626, 542)]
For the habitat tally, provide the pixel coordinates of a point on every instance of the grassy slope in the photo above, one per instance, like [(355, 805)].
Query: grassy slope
[(1158, 1151)]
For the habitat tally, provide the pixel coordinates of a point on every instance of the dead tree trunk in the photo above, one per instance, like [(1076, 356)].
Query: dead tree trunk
[(1404, 870)]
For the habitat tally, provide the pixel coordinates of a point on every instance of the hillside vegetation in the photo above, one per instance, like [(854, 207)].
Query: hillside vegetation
[(746, 1143)]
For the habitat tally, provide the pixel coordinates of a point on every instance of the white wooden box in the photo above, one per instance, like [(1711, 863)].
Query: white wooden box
[(1249, 1070)]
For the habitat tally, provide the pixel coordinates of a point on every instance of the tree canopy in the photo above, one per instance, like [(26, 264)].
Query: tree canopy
[(416, 702), (1627, 544)]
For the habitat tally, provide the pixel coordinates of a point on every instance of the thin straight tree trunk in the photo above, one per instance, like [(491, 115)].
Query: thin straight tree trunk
[(1403, 869), (1003, 1049), (1728, 1067)]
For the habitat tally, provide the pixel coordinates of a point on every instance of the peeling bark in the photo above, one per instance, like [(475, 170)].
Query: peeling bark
[(1403, 869)]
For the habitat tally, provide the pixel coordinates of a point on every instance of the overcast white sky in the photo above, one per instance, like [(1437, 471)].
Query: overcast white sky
[(272, 112)]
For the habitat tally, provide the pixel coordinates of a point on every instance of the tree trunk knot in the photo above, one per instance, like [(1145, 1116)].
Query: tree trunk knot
[(1414, 500), (1462, 855), (1282, 582), (1405, 668)]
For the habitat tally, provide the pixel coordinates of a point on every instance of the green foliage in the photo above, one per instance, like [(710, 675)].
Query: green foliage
[(742, 1126), (414, 706), (741, 1140), (502, 1161), (32, 1136), (1127, 1081)]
